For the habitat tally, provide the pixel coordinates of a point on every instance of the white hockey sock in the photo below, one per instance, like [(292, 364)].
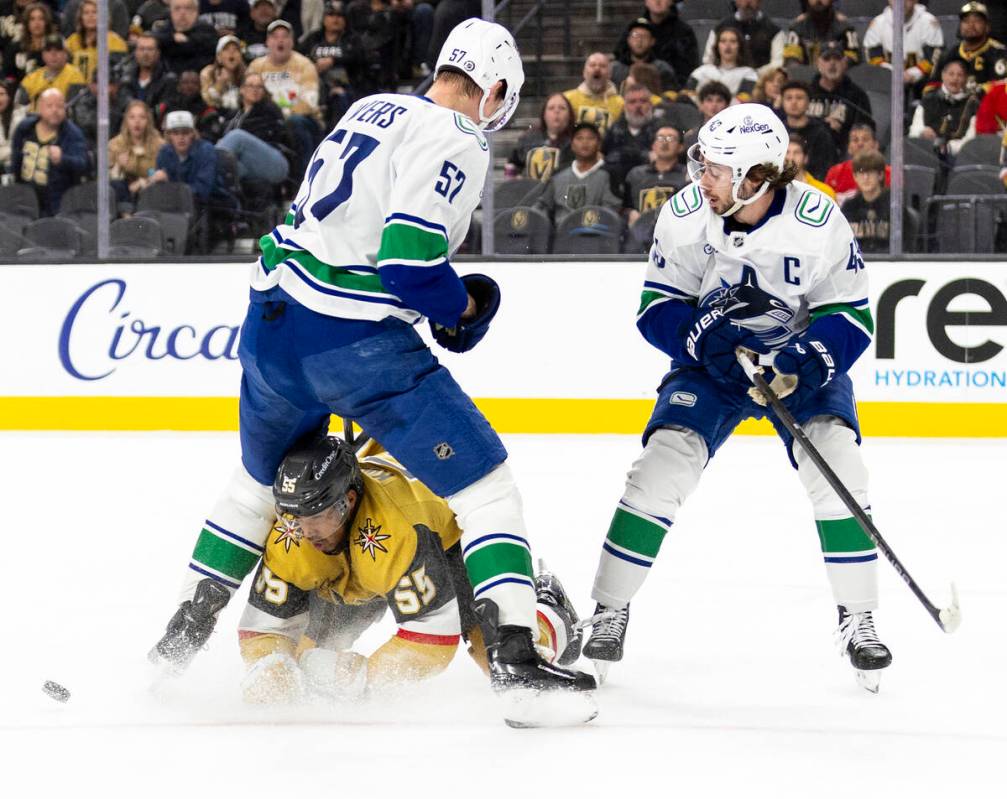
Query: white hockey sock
[(495, 545), (233, 536), (662, 477), (851, 559)]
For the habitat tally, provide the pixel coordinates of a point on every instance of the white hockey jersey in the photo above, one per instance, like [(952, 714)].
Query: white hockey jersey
[(921, 44), (393, 185), (803, 254)]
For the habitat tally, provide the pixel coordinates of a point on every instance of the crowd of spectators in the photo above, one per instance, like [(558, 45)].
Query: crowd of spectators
[(659, 77), (233, 96), (228, 96)]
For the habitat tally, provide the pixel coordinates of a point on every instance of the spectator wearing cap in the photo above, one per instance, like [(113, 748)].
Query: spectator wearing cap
[(640, 43), (628, 140), (56, 74), (821, 147), (255, 134), (922, 41), (144, 76), (186, 158), (731, 66), (49, 153), (185, 42), (946, 117), (261, 14), (819, 23), (649, 185), (149, 12), (596, 100), (675, 40), (118, 17), (340, 60), (23, 52), (83, 43), (840, 177), (292, 81), (763, 37), (835, 99), (985, 56), (797, 154), (713, 98), (226, 17), (585, 182), (869, 210), (220, 82), (545, 150)]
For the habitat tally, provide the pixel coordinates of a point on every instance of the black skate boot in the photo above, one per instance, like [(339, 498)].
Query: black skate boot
[(190, 627), (608, 634), (549, 591), (858, 639), (528, 684)]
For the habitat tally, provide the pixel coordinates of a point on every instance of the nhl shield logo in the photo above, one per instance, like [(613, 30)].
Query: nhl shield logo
[(443, 451), (738, 239)]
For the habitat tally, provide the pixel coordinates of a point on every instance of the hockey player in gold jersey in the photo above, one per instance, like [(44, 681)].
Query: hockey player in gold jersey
[(351, 539)]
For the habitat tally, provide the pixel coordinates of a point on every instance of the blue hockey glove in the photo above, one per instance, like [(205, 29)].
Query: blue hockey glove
[(469, 332), (712, 339), (802, 367)]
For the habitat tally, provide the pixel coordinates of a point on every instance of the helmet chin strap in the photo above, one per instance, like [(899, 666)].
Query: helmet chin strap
[(483, 119), (740, 203)]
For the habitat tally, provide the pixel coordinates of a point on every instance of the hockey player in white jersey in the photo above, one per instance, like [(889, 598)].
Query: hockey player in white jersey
[(363, 255), (747, 257)]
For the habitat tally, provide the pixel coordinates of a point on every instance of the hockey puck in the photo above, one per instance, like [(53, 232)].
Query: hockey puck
[(55, 691)]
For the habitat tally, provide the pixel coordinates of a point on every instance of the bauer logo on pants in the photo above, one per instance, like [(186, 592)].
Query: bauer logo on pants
[(686, 398)]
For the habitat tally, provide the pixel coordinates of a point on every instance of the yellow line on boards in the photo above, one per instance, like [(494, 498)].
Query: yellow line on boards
[(979, 420)]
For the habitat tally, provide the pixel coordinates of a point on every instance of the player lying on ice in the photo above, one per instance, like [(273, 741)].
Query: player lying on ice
[(350, 540), (363, 256), (746, 257)]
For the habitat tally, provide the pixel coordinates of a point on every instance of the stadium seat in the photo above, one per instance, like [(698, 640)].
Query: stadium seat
[(921, 152), (803, 72), (521, 231), (861, 8), (592, 230), (983, 150), (87, 221), (52, 239), (872, 78), (174, 208), (83, 198), (19, 199), (881, 110), (174, 229), (780, 8), (919, 183), (136, 237), (911, 231), (974, 179), (640, 235), (949, 27), (512, 193), (11, 239), (967, 224)]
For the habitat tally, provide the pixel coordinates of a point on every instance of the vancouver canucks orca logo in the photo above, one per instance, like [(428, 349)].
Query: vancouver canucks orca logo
[(752, 308)]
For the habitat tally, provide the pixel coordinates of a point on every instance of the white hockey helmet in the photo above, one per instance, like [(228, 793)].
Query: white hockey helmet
[(486, 52), (740, 137)]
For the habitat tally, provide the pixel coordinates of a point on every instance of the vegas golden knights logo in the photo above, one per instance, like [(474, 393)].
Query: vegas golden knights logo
[(576, 197), (598, 117), (541, 162), (654, 197), (590, 218), (519, 219)]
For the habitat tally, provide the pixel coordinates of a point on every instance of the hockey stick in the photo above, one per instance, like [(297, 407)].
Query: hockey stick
[(356, 443), (948, 618)]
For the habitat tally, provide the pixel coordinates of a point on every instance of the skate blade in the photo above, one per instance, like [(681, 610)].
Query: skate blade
[(526, 708), (601, 668), (869, 680)]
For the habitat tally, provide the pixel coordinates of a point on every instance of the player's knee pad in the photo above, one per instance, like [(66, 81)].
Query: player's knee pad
[(492, 502), (838, 445), (666, 472)]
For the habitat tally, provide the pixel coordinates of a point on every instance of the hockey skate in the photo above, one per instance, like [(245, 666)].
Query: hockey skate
[(549, 591), (535, 693), (857, 638), (190, 627), (608, 634)]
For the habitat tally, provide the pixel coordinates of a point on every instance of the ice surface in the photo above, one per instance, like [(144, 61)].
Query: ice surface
[(730, 686)]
